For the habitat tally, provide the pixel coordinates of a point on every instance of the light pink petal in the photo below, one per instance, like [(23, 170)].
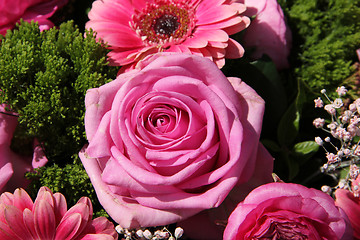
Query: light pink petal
[(6, 171), (234, 50), (39, 158)]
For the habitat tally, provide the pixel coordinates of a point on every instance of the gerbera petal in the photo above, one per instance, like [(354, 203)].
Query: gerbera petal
[(44, 194), (81, 208), (215, 14), (44, 220), (7, 198), (60, 206), (97, 237), (234, 49), (216, 52), (29, 222), (212, 35), (69, 227), (220, 62), (6, 233), (204, 5), (13, 218), (238, 27), (119, 13), (22, 199)]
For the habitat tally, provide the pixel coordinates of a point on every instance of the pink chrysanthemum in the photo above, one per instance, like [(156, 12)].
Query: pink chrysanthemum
[(135, 29), (48, 218)]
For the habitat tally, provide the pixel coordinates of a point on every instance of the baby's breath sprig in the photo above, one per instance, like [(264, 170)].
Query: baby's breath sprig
[(146, 234), (344, 127)]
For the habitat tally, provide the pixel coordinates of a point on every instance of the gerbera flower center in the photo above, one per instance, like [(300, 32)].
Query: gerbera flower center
[(164, 22), (166, 25)]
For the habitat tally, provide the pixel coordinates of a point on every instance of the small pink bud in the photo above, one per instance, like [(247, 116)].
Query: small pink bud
[(326, 189), (147, 234), (178, 232), (319, 141), (140, 233)]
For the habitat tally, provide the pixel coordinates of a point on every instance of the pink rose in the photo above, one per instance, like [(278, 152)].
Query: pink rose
[(287, 211), (351, 206), (14, 166), (170, 139), (268, 32), (38, 10)]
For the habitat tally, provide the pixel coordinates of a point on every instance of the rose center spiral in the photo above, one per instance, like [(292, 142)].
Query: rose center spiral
[(284, 231)]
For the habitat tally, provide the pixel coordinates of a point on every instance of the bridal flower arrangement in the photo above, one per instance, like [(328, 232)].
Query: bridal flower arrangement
[(179, 119)]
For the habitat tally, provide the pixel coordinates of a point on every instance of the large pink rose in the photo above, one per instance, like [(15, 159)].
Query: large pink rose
[(13, 166), (38, 10), (287, 211), (268, 32), (170, 138), (351, 206)]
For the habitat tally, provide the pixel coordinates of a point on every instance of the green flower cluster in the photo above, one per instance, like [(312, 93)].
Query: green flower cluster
[(44, 78), (326, 34)]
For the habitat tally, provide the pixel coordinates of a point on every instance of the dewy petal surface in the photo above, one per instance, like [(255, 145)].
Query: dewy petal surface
[(165, 25)]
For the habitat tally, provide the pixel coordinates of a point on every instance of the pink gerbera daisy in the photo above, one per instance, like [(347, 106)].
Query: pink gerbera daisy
[(48, 218), (135, 29)]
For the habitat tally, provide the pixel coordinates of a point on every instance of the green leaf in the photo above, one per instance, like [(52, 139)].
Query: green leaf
[(305, 150), (289, 126)]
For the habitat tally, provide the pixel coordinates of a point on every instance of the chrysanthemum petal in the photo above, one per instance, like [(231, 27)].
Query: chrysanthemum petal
[(234, 49)]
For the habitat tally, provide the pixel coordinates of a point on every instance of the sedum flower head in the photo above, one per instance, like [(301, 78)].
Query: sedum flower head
[(48, 218), (135, 29)]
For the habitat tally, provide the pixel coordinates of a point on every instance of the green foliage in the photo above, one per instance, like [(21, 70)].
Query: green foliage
[(326, 34), (71, 180), (44, 77)]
